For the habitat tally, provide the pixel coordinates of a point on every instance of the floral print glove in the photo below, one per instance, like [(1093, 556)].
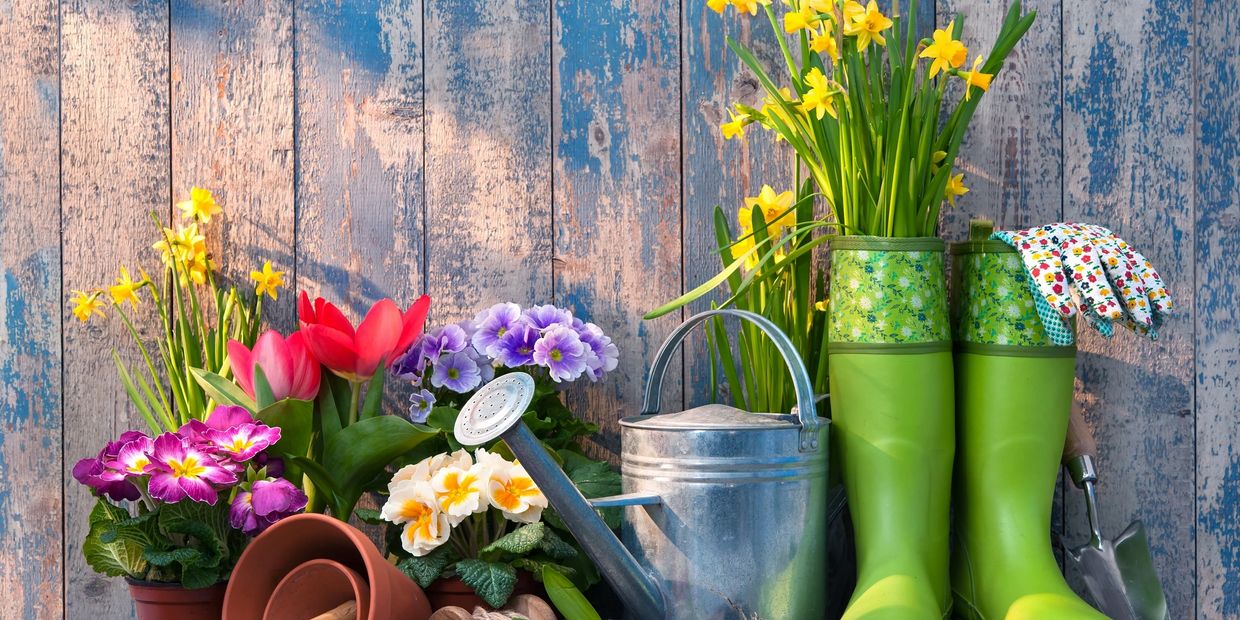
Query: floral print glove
[(1112, 281)]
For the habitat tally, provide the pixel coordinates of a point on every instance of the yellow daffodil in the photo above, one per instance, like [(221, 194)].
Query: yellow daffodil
[(182, 245), (776, 210), (867, 25), (851, 10), (717, 5), (86, 305), (818, 97), (955, 187), (125, 289), (201, 205), (946, 51), (804, 19), (735, 128), (821, 306), (975, 78), (823, 41), (744, 243), (749, 6), (267, 281)]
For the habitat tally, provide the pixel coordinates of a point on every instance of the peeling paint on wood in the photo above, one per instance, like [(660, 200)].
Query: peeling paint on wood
[(232, 133), (617, 216), (1218, 309), (31, 567), (488, 155), (359, 151), (1128, 164), (114, 164), (719, 172)]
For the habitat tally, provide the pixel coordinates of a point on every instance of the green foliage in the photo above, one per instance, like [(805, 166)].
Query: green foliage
[(426, 569), (493, 581), (295, 419), (122, 556), (568, 600), (187, 542), (517, 542)]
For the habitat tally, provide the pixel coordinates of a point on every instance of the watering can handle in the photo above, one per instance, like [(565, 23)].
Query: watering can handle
[(805, 409)]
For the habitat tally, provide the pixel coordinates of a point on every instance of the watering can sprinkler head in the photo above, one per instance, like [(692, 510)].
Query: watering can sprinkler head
[(494, 412)]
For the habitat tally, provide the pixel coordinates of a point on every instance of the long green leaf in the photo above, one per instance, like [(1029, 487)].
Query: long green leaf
[(568, 600), (295, 418), (222, 390), (360, 451)]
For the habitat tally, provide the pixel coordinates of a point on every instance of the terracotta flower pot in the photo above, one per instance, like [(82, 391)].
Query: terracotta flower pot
[(452, 592), (306, 537), (170, 601), (316, 587)]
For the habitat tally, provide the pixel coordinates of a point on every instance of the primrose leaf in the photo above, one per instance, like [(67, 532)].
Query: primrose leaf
[(519, 541), (426, 569), (490, 580), (120, 558)]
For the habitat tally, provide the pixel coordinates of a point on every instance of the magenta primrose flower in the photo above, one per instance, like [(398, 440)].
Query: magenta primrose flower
[(223, 417), (244, 441), (98, 473), (134, 457), (180, 469), (266, 502)]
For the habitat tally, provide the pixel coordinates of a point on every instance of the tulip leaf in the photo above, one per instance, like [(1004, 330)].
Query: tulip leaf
[(374, 394), (222, 390), (362, 450), (324, 482), (568, 600), (329, 416), (295, 418), (262, 389), (492, 581)]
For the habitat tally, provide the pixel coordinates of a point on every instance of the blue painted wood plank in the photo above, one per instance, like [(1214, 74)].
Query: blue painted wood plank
[(488, 155), (232, 132), (115, 140), (1128, 164), (719, 172), (616, 88), (31, 540), (1218, 308), (359, 145)]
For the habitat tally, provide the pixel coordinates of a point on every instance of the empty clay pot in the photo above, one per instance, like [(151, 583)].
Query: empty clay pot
[(452, 592), (306, 537), (316, 587), (170, 601)]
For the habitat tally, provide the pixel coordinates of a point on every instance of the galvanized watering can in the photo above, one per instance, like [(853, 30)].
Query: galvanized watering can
[(726, 510)]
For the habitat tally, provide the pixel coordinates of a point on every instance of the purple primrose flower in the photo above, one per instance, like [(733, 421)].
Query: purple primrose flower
[(180, 469), (561, 351), (606, 355), (492, 324), (420, 409), (457, 372), (543, 317), (516, 348), (265, 503)]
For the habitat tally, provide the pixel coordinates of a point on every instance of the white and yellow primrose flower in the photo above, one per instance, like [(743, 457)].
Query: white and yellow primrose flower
[(461, 492), (425, 469), (513, 491), (413, 503)]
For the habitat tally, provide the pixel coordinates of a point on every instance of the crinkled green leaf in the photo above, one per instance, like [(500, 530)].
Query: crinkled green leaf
[(195, 577), (519, 541), (556, 547), (369, 516), (568, 600), (426, 569), (120, 558), (206, 526), (490, 580), (183, 555)]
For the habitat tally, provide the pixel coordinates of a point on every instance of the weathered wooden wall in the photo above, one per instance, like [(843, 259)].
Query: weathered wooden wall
[(567, 151)]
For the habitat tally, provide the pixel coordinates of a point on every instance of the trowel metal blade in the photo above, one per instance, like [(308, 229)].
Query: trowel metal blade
[(1145, 592), (1120, 576)]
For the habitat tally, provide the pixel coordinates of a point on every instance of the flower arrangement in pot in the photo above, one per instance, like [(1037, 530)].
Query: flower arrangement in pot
[(875, 115), (476, 524)]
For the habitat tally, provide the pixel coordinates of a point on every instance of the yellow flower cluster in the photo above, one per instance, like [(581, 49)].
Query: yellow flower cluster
[(183, 250), (776, 211), (818, 19)]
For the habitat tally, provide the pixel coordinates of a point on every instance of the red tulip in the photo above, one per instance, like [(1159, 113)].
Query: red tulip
[(291, 370), (384, 334)]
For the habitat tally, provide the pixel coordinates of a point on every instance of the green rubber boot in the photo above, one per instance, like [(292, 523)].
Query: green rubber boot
[(1013, 397), (892, 420)]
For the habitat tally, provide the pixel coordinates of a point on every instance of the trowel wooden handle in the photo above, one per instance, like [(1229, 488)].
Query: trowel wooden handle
[(1080, 440), (344, 611)]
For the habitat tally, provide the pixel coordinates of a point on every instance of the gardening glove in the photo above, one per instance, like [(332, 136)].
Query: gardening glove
[(1095, 264)]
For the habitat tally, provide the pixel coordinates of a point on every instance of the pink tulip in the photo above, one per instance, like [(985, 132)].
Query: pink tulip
[(289, 366)]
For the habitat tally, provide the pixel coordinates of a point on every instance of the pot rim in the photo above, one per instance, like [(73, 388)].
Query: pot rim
[(142, 583), (889, 244)]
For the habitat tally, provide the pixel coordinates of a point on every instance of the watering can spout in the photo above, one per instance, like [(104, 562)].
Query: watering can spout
[(495, 412)]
